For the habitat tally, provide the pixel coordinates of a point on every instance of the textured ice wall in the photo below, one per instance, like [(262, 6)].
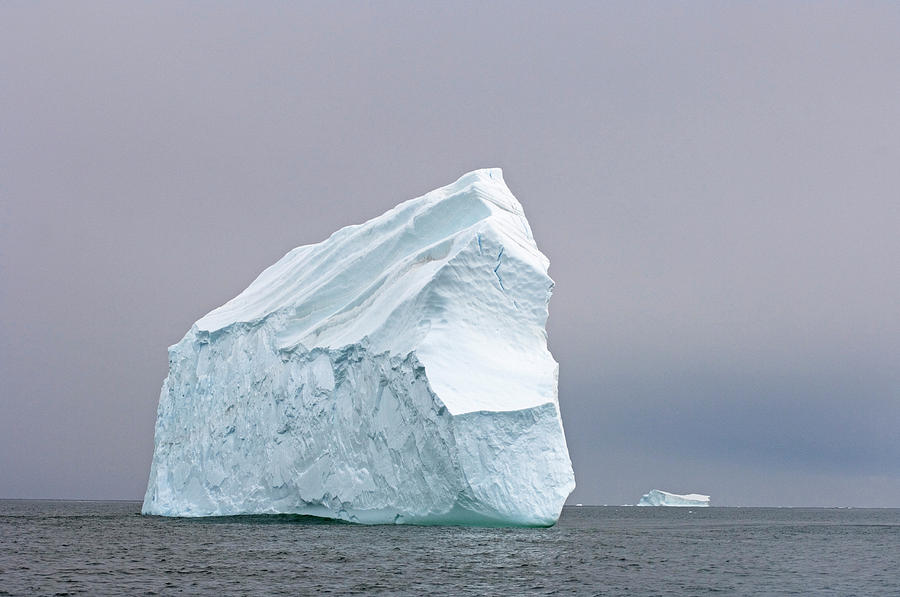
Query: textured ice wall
[(396, 372)]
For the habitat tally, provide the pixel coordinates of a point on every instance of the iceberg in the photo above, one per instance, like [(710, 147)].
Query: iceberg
[(656, 497), (397, 372)]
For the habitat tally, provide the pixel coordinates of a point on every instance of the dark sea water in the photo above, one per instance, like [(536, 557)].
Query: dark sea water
[(97, 548)]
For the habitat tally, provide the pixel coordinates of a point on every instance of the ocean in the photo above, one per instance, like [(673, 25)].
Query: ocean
[(108, 548)]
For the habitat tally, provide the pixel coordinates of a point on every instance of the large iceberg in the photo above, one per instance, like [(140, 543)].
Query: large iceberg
[(397, 372), (656, 497)]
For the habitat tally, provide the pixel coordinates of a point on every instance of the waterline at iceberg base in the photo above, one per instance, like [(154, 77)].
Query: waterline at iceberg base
[(397, 372)]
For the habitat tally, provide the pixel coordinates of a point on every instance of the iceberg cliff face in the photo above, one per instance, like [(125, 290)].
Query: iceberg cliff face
[(655, 497), (396, 372)]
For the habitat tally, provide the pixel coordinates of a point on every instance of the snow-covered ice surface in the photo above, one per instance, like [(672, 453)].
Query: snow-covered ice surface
[(656, 497), (397, 372)]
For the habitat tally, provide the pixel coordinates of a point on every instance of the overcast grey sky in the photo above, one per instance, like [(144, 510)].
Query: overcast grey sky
[(716, 185)]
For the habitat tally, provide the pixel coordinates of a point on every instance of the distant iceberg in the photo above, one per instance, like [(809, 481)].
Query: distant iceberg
[(657, 497)]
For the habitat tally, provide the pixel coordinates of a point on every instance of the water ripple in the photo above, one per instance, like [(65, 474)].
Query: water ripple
[(106, 548)]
